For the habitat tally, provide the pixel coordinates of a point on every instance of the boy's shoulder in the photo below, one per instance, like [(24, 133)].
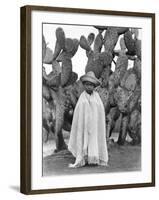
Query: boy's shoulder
[(82, 94)]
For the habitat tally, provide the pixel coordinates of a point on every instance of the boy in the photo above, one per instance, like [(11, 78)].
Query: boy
[(87, 140)]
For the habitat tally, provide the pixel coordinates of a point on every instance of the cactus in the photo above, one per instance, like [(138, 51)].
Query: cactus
[(133, 102), (120, 69), (66, 71), (120, 90), (127, 101), (98, 43), (60, 42), (123, 129), (122, 63), (48, 56), (124, 90), (137, 68), (129, 80), (129, 42), (47, 117), (134, 127), (135, 31), (69, 45), (72, 99), (59, 101), (111, 36), (57, 50), (90, 38), (122, 97), (97, 60), (74, 50), (56, 68), (138, 48), (73, 78), (101, 28), (46, 92), (70, 53), (104, 78), (52, 79), (84, 43), (110, 39), (78, 88), (121, 30), (120, 66), (104, 95), (60, 36), (60, 77), (43, 47), (111, 118), (133, 45)]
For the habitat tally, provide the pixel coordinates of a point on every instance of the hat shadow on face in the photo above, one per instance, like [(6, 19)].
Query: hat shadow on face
[(90, 77)]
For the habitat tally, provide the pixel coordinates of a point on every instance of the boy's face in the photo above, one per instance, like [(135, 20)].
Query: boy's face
[(89, 87)]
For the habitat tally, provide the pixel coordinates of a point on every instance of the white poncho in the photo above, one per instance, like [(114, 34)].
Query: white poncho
[(87, 140)]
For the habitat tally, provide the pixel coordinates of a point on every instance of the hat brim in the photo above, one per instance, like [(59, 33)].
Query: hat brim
[(95, 81)]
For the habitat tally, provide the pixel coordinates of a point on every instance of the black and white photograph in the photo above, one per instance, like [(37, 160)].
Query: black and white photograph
[(88, 100), (79, 107), (91, 99)]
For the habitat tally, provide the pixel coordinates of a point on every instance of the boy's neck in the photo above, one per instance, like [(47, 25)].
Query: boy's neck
[(89, 93)]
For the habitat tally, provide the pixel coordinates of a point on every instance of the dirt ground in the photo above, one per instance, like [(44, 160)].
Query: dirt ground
[(121, 159)]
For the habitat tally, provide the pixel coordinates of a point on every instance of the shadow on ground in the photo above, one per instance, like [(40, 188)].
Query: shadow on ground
[(15, 188)]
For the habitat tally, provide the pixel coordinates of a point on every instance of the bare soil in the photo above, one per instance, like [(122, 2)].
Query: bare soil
[(121, 159)]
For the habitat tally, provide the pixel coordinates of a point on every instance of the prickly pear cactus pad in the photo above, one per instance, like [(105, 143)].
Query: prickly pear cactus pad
[(90, 38), (43, 47), (84, 43), (66, 71), (97, 61), (114, 55), (48, 56), (134, 128), (122, 97), (130, 43), (110, 39), (138, 48), (137, 68), (60, 36), (46, 92), (98, 43), (129, 80), (104, 95)]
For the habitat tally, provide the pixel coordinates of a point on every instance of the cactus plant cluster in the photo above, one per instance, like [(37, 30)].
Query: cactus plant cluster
[(127, 90), (57, 83), (120, 90)]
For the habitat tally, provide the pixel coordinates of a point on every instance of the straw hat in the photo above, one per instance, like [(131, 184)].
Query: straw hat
[(90, 77)]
